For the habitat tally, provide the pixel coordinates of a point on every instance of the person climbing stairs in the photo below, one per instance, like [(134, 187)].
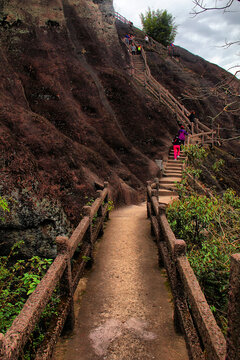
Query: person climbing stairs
[(172, 175)]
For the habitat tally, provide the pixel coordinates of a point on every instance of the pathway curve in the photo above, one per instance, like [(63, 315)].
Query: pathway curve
[(126, 311)]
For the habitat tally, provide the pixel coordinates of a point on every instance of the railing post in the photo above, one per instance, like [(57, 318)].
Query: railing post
[(148, 201), (107, 198), (161, 211), (197, 127), (66, 283), (233, 337), (2, 347), (87, 212), (192, 128), (179, 250), (100, 211), (157, 187)]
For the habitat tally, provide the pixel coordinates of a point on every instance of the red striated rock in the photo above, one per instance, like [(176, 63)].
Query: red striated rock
[(70, 116)]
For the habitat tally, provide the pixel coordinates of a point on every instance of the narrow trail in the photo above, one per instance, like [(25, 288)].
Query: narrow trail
[(126, 311)]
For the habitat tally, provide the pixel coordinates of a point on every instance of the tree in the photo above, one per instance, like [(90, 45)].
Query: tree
[(159, 25)]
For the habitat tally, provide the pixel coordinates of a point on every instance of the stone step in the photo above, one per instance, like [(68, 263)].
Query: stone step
[(163, 192), (173, 169), (166, 182), (168, 186), (171, 154), (172, 161), (168, 179), (175, 163), (166, 174)]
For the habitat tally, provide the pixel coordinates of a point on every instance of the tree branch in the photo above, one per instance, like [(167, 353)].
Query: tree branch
[(200, 4)]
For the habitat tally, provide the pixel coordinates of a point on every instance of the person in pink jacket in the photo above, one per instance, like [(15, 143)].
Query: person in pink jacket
[(181, 134)]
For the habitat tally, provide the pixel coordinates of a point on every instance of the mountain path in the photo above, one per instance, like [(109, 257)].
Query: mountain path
[(123, 308)]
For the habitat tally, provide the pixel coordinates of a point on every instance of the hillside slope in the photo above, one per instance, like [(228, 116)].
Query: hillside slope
[(71, 115)]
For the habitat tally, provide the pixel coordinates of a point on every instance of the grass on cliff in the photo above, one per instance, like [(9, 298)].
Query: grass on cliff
[(210, 226)]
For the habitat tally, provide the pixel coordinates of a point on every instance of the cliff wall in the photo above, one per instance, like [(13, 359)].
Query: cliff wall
[(71, 115)]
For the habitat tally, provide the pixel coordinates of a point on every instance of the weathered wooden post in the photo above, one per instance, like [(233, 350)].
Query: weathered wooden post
[(153, 213), (148, 200), (161, 211), (2, 347), (197, 127), (233, 336), (107, 198), (100, 210), (157, 187), (66, 283), (179, 296), (192, 128), (89, 235)]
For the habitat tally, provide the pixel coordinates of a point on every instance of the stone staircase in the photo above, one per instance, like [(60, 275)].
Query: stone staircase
[(172, 174)]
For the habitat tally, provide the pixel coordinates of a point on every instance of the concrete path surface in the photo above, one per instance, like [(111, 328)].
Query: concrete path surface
[(125, 312)]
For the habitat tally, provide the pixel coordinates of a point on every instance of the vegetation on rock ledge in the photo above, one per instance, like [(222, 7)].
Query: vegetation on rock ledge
[(210, 226)]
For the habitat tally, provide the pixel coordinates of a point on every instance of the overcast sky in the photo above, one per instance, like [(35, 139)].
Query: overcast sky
[(202, 35)]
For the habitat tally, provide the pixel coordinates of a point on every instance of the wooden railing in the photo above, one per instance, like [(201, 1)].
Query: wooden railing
[(165, 97), (168, 99), (192, 314), (121, 18), (202, 138), (62, 275)]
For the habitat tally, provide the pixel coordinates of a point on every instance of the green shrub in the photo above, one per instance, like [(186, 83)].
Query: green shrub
[(211, 230)]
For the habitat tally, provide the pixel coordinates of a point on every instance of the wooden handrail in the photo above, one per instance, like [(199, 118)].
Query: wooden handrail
[(169, 99), (60, 272), (121, 18), (191, 310), (203, 133)]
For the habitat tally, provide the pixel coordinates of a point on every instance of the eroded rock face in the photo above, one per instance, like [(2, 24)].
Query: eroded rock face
[(60, 130), (71, 115)]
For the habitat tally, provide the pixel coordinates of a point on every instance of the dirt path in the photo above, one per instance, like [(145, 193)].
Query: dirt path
[(126, 311)]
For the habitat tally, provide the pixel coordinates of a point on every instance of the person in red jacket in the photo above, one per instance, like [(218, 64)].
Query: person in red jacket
[(176, 147)]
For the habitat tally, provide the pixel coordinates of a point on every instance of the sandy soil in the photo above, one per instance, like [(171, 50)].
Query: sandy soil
[(126, 311)]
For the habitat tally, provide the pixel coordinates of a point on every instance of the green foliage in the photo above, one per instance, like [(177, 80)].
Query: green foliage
[(18, 279), (159, 25), (194, 172), (86, 258), (191, 217), (211, 229), (3, 207), (218, 165), (110, 205), (195, 154)]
